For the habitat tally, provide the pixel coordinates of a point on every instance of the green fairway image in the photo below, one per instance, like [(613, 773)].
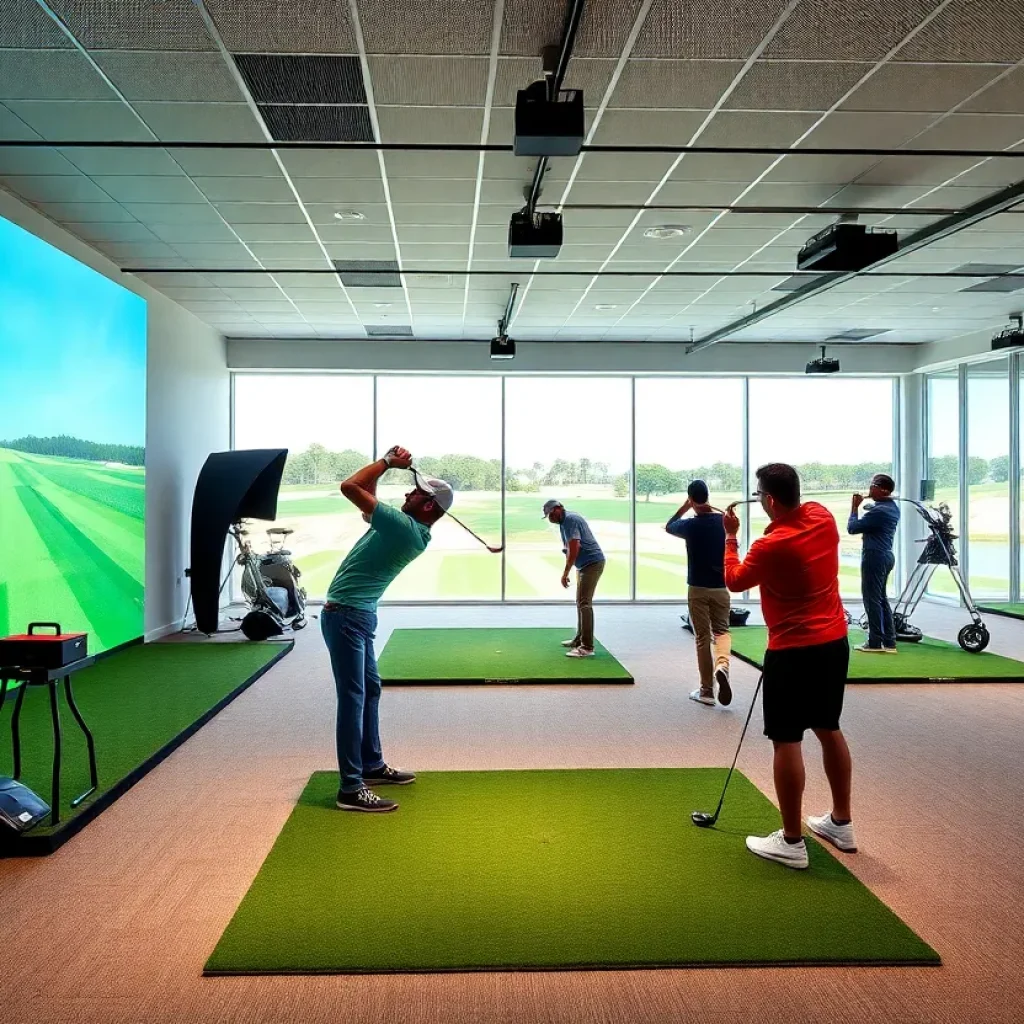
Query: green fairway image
[(72, 533), (72, 446)]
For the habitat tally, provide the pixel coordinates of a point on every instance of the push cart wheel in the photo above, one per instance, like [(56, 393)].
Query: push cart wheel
[(973, 638)]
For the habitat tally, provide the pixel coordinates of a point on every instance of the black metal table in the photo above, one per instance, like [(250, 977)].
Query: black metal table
[(49, 677)]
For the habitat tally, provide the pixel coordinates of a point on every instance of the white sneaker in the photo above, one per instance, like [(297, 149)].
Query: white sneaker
[(570, 643), (864, 649), (840, 836), (775, 847), (890, 650), (580, 652), (702, 698)]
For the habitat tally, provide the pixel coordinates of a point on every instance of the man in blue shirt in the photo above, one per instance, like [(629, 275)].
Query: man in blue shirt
[(582, 550), (349, 619), (878, 527), (706, 595)]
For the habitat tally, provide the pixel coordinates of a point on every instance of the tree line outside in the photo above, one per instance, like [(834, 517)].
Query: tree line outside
[(65, 446)]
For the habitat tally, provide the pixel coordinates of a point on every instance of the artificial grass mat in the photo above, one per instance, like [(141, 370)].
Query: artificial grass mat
[(140, 703), (1011, 609), (930, 661), (428, 657), (535, 870)]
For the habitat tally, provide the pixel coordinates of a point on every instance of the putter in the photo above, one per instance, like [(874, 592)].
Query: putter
[(701, 818)]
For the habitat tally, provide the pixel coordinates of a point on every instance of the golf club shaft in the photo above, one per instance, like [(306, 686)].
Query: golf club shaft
[(721, 799), (494, 549)]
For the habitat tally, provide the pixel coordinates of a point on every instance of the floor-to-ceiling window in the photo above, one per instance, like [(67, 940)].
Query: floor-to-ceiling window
[(619, 450), (988, 479), (452, 426), (567, 438), (837, 432), (942, 445), (326, 423), (686, 428)]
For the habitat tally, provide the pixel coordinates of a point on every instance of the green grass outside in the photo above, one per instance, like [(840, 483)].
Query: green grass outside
[(491, 655), (565, 869), (135, 702), (73, 537), (930, 659)]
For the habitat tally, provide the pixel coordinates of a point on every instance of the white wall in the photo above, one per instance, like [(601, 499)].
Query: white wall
[(187, 417), (559, 357)]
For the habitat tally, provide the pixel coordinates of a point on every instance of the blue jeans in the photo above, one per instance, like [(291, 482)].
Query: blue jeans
[(349, 634), (874, 573)]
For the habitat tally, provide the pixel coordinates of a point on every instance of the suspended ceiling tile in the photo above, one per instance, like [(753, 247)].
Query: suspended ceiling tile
[(971, 30), (24, 24), (440, 81), (135, 24), (410, 26), (323, 27), (795, 85), (150, 75), (456, 125), (50, 75), (514, 73), (201, 122), (63, 188), (529, 25), (726, 29), (84, 121)]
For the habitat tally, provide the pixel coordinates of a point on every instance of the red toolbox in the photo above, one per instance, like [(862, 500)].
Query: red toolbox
[(42, 650)]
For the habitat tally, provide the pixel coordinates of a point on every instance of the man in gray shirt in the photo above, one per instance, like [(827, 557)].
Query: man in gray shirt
[(582, 550)]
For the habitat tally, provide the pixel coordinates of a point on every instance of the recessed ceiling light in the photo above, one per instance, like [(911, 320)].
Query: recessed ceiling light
[(349, 215), (668, 231), (382, 305), (606, 306)]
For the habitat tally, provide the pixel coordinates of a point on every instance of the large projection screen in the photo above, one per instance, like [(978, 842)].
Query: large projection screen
[(72, 445)]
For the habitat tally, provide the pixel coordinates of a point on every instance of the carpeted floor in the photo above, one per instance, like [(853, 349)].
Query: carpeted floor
[(519, 870), (135, 702), (430, 657), (931, 660)]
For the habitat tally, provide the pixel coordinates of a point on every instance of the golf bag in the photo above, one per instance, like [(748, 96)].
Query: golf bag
[(270, 585), (939, 549)]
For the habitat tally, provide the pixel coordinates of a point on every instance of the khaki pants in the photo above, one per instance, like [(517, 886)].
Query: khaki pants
[(709, 616), (586, 584)]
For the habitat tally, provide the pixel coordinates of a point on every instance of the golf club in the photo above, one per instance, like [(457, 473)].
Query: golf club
[(494, 550), (701, 818)]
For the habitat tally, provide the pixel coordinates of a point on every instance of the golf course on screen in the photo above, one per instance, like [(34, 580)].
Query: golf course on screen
[(72, 445)]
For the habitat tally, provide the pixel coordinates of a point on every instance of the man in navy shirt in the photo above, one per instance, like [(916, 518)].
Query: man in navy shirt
[(582, 550), (878, 527), (706, 595)]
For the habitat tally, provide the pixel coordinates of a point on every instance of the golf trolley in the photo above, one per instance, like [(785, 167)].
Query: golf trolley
[(270, 581), (939, 549)]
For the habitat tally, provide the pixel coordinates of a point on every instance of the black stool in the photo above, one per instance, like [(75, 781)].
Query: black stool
[(49, 677)]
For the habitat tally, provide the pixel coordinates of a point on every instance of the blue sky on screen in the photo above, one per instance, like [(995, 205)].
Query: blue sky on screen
[(72, 347)]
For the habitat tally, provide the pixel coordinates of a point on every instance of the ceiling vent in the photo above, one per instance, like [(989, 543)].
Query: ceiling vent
[(287, 123), (388, 331), (274, 78), (859, 335), (368, 273)]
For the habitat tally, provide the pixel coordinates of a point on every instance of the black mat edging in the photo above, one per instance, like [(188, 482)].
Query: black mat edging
[(43, 845), (476, 681), (1000, 611), (639, 966)]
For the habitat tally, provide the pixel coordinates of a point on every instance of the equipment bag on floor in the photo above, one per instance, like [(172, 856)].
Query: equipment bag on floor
[(738, 616), (20, 808)]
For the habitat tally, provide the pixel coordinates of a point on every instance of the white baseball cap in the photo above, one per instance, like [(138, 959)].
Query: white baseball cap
[(440, 490), (549, 506)]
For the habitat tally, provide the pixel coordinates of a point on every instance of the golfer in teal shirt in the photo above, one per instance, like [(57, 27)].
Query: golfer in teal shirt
[(349, 621)]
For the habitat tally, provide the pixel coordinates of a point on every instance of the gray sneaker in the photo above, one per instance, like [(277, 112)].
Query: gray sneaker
[(364, 800), (703, 698)]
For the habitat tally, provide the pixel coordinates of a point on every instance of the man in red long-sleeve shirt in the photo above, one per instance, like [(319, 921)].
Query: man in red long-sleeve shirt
[(796, 565)]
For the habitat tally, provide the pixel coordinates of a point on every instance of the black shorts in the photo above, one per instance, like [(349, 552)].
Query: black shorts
[(803, 689)]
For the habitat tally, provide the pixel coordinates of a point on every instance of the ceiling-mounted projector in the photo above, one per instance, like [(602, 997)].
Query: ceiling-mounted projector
[(503, 347), (846, 247), (548, 125), (534, 236), (1012, 336), (822, 365)]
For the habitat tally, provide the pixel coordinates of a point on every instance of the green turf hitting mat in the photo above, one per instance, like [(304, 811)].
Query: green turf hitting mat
[(568, 869), (140, 703), (1011, 609), (930, 661), (445, 657)]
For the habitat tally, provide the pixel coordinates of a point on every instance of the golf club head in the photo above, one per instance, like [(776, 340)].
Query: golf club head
[(702, 819)]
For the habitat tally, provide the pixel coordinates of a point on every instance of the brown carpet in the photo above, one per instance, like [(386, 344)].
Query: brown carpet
[(116, 926)]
